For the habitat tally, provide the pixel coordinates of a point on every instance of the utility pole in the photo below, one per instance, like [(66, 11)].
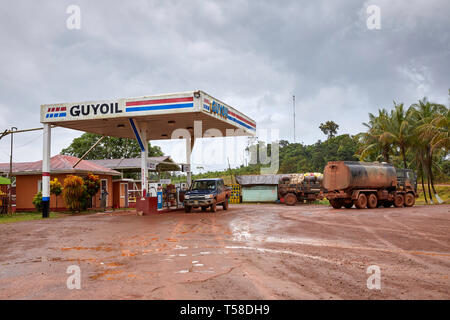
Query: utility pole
[(13, 129), (293, 106)]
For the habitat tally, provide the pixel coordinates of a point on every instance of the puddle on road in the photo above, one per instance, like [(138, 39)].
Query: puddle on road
[(183, 271), (265, 250)]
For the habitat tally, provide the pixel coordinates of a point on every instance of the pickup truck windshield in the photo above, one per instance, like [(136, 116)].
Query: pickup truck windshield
[(204, 185)]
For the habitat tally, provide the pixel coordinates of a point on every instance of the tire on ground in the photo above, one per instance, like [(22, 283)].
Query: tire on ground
[(213, 206), (225, 204), (336, 203), (372, 201), (187, 209), (399, 200), (361, 202), (290, 199), (409, 200)]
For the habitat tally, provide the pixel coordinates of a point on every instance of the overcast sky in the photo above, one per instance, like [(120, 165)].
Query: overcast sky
[(253, 55)]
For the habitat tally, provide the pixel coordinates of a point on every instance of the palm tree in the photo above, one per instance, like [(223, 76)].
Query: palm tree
[(398, 130), (374, 141), (431, 129)]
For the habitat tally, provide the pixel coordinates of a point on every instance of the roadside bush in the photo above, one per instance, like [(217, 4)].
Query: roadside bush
[(37, 201), (73, 192), (56, 189), (92, 185)]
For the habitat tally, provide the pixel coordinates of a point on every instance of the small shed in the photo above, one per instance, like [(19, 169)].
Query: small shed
[(259, 188)]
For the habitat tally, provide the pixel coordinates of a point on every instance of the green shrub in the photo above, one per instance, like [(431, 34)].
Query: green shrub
[(37, 201)]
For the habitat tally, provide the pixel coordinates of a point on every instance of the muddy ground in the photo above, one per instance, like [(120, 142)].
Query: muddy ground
[(247, 252)]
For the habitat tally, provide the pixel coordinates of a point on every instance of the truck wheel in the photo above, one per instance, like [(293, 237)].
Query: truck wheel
[(290, 199), (409, 200), (214, 207), (203, 208), (372, 201), (336, 203), (399, 200), (348, 205), (225, 204), (187, 209), (361, 202)]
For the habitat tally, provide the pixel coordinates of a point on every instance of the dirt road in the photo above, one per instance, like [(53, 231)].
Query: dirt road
[(247, 252)]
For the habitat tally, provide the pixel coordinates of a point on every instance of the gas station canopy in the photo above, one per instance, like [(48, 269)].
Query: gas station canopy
[(144, 118), (162, 114)]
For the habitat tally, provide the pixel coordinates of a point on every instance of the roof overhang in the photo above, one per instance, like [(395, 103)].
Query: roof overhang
[(163, 114)]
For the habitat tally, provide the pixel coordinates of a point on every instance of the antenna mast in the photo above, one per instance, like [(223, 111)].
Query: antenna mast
[(293, 106)]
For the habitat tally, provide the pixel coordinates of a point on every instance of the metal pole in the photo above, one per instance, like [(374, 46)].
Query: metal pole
[(46, 171), (10, 172), (87, 152), (293, 105)]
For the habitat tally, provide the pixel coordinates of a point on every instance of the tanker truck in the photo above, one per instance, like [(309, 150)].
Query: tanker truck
[(370, 185)]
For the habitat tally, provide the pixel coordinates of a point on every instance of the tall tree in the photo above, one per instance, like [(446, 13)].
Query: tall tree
[(431, 129), (108, 148), (329, 128), (374, 142)]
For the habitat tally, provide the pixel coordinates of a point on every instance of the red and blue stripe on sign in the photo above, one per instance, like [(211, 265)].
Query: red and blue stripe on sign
[(159, 104), (241, 120), (56, 112)]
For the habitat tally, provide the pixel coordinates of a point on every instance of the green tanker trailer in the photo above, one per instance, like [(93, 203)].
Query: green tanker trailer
[(370, 185)]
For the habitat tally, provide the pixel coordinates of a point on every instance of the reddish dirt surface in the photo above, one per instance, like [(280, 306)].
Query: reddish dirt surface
[(247, 252)]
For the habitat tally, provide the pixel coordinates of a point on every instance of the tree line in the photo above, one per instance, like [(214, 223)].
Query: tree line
[(414, 137)]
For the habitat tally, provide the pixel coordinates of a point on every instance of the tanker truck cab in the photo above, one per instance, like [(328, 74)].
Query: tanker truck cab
[(206, 193), (407, 179)]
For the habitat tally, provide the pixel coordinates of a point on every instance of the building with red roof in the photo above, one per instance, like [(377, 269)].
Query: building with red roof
[(29, 180)]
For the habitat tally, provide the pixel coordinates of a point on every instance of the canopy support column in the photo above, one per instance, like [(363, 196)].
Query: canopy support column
[(189, 146), (46, 171), (144, 160)]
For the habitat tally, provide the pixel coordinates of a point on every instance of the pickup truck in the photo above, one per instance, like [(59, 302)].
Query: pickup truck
[(207, 193)]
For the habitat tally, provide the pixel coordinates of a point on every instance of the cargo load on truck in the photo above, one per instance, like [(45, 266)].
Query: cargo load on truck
[(300, 187)]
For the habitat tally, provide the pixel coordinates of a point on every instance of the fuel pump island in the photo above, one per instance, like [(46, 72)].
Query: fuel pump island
[(145, 118)]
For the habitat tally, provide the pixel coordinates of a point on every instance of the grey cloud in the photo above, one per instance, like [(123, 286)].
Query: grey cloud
[(251, 54)]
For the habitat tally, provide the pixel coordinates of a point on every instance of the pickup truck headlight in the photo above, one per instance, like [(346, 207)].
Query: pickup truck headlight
[(186, 196), (208, 196)]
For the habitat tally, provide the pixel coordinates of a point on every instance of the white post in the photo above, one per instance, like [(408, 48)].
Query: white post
[(144, 157), (46, 171), (189, 146)]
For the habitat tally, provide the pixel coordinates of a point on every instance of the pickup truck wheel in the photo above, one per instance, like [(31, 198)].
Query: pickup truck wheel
[(225, 204), (203, 208), (187, 209), (409, 200), (214, 206)]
